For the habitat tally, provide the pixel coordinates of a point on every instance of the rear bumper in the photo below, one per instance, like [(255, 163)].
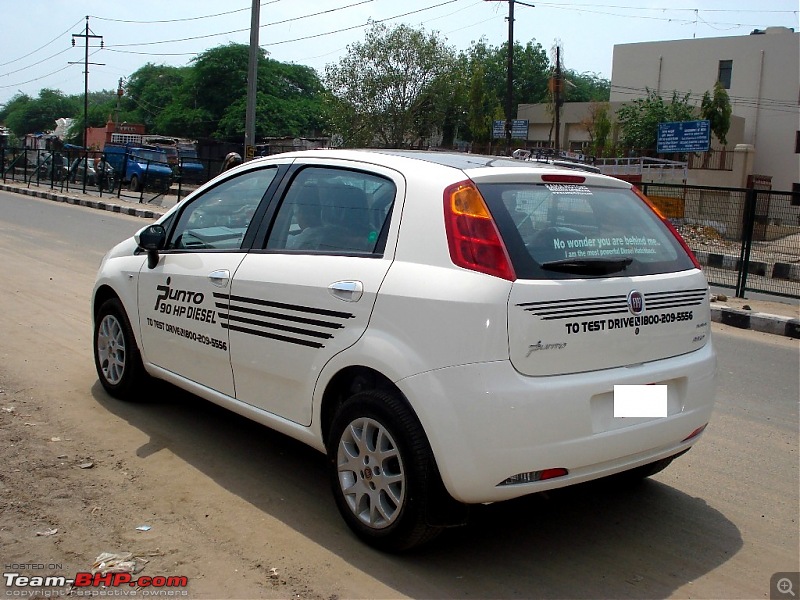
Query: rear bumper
[(486, 422)]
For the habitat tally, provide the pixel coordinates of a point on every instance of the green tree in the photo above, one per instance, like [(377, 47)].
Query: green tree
[(531, 73), (391, 89), (209, 97), (288, 99), (586, 87), (717, 110), (531, 70), (29, 115), (483, 106), (17, 103), (154, 95), (487, 83), (598, 125), (639, 119)]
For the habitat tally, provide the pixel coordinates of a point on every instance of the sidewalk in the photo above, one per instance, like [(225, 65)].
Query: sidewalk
[(768, 316), (760, 315), (108, 202)]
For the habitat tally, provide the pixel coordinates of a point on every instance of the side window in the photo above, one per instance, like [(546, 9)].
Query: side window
[(219, 218), (333, 210)]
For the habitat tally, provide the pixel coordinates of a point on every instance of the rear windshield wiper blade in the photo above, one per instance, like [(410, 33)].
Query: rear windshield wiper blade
[(591, 266)]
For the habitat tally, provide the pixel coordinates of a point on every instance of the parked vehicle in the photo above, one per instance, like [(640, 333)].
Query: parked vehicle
[(52, 166), (192, 170), (105, 181), (140, 167), (475, 350)]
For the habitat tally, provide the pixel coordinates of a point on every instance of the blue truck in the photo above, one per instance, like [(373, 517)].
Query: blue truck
[(192, 170), (140, 167)]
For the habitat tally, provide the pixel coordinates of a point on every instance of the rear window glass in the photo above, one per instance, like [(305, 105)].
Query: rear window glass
[(566, 231)]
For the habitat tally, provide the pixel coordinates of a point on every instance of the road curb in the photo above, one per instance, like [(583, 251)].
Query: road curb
[(776, 270), (87, 202), (747, 319)]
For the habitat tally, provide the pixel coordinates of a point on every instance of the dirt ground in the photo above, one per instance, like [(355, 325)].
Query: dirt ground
[(94, 470)]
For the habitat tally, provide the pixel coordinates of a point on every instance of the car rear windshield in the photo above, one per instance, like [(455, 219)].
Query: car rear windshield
[(565, 231)]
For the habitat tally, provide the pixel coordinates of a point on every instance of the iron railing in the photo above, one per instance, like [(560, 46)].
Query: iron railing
[(746, 238)]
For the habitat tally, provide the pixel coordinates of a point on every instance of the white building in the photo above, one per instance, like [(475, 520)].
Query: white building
[(761, 72)]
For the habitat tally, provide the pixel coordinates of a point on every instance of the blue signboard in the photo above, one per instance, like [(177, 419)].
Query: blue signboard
[(684, 136), (519, 129)]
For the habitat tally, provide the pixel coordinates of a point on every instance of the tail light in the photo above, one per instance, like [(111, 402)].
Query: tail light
[(533, 476), (472, 234), (560, 178), (669, 226)]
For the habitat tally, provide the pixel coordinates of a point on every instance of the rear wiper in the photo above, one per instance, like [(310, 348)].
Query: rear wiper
[(590, 266)]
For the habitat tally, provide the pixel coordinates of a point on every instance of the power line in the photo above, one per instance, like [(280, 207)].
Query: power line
[(665, 8), (367, 24), (184, 19), (769, 104), (680, 20), (200, 37), (3, 87), (36, 63), (41, 47)]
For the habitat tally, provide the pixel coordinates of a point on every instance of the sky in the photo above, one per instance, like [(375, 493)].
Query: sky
[(36, 39)]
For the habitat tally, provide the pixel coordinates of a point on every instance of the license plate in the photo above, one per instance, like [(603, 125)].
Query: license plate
[(640, 401)]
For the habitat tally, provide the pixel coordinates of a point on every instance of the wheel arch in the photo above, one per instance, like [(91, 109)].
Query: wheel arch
[(101, 295), (442, 509), (349, 381), (106, 292)]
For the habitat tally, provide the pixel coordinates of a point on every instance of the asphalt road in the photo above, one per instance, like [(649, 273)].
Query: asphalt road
[(229, 500)]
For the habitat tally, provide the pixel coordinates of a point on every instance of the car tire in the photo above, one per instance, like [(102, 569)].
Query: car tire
[(116, 355), (134, 184), (381, 469)]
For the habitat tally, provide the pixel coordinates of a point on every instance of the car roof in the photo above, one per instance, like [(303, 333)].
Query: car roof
[(464, 161), (473, 164), (457, 160)]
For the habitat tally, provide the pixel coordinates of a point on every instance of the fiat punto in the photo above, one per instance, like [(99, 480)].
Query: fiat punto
[(450, 329)]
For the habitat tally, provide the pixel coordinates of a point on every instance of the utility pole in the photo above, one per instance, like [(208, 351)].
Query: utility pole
[(558, 87), (252, 85), (510, 77), (87, 33), (120, 92), (510, 72)]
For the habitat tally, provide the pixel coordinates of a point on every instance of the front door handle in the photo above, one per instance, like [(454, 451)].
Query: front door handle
[(220, 278), (349, 291)]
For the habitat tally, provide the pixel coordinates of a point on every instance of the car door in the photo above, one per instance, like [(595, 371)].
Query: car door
[(182, 330), (308, 294)]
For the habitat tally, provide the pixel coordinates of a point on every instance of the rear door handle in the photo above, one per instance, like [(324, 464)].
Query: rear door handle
[(349, 291), (220, 278)]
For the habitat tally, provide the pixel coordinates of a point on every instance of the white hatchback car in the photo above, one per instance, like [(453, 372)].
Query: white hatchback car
[(450, 329)]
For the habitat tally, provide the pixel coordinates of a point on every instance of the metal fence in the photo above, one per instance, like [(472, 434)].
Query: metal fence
[(747, 239), (66, 170)]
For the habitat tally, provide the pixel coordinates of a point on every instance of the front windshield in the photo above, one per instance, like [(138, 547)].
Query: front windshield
[(149, 155)]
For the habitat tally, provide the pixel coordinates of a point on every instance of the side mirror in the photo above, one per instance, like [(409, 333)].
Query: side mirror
[(152, 239)]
